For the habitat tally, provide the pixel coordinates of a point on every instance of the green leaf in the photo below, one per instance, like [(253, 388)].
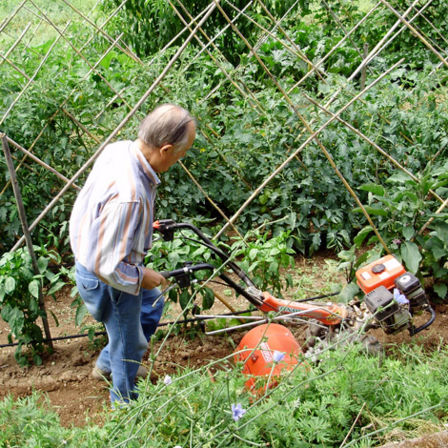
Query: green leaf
[(408, 232), (361, 236), (33, 288), (58, 286), (348, 292), (441, 289), (10, 285), (435, 245), (371, 210), (373, 188), (55, 318), (81, 312), (442, 231), (15, 318), (273, 267), (106, 60), (411, 256), (208, 298), (184, 299), (253, 254), (42, 264)]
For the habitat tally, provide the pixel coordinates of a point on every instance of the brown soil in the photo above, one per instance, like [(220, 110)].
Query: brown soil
[(77, 398)]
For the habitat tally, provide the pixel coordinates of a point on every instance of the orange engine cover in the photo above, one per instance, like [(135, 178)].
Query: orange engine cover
[(258, 348), (381, 272)]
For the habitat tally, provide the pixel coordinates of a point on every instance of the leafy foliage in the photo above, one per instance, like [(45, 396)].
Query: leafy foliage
[(312, 406), (245, 133), (19, 299), (152, 24), (259, 256)]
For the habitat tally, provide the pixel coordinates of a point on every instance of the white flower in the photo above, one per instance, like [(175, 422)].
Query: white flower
[(167, 380)]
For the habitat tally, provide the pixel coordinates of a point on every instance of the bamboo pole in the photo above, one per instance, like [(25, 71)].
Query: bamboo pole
[(14, 45), (216, 207), (430, 220), (98, 72), (372, 143), (6, 22), (125, 50), (435, 29), (362, 83), (402, 18), (14, 66), (156, 82), (26, 232), (224, 301), (218, 64), (32, 78), (40, 162)]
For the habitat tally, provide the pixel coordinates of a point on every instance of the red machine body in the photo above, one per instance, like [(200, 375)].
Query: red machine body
[(382, 272), (258, 349), (327, 313), (391, 311)]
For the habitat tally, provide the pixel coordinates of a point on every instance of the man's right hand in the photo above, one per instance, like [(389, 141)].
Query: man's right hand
[(152, 279)]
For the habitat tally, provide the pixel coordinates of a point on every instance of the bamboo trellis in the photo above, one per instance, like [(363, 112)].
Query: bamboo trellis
[(407, 21)]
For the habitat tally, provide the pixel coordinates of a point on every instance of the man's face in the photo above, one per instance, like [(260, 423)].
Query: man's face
[(168, 157)]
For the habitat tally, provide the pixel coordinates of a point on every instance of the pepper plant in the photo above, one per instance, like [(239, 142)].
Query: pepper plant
[(19, 299)]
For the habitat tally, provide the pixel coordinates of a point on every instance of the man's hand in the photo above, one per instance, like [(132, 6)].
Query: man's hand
[(152, 279)]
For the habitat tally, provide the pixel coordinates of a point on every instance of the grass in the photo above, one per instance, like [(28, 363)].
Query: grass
[(401, 397)]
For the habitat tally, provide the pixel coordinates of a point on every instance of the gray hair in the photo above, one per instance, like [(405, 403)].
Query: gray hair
[(166, 124)]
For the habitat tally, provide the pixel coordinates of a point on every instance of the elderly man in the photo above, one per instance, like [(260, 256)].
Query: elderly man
[(110, 233)]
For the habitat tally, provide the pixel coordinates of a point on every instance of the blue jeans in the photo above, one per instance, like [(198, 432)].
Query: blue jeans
[(129, 320)]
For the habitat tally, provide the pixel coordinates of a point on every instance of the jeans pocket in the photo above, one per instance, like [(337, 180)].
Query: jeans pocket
[(92, 295), (89, 284), (116, 295)]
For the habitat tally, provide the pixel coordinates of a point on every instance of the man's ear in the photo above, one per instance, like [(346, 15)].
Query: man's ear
[(165, 149)]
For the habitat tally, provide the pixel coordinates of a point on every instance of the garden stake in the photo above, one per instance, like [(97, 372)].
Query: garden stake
[(370, 142), (32, 78), (401, 18), (29, 242), (130, 115)]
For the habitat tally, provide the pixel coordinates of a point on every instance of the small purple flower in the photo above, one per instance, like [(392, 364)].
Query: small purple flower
[(237, 411), (167, 380), (400, 298), (278, 356), (396, 241)]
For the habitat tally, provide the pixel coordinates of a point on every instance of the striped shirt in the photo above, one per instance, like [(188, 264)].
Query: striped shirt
[(111, 221)]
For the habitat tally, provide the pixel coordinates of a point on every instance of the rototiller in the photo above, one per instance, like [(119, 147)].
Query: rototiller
[(392, 297)]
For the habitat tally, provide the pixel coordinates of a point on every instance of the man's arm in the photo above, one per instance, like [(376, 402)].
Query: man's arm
[(119, 230)]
